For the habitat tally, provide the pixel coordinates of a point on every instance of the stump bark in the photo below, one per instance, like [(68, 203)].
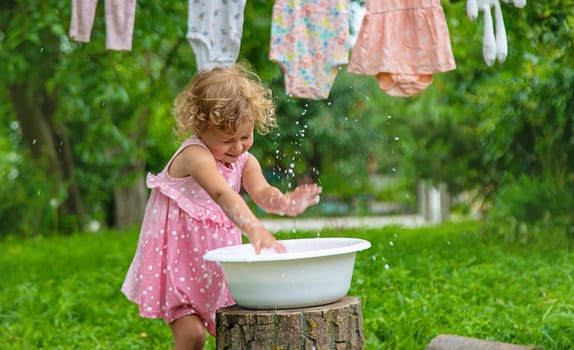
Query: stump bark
[(455, 342), (336, 326)]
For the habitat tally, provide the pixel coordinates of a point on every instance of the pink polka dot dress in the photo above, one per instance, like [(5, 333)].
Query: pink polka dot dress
[(168, 277)]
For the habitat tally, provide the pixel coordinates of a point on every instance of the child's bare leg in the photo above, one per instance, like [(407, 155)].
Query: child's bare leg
[(188, 333)]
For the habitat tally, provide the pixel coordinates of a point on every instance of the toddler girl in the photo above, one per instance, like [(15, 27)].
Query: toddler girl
[(195, 205)]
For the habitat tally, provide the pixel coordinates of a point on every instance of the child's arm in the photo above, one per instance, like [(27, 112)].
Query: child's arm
[(200, 164), (271, 198)]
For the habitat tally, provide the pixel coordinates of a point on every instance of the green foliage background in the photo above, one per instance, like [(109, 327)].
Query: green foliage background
[(478, 128), (63, 292)]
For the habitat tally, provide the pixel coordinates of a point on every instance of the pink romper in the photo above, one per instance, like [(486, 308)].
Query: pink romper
[(168, 277), (403, 43)]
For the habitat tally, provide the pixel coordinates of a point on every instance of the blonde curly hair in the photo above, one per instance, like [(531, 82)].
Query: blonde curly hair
[(224, 98)]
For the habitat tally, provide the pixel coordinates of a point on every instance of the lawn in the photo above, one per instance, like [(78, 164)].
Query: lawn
[(63, 292)]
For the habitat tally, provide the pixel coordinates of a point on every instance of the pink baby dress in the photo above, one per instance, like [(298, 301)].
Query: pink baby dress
[(402, 43), (168, 277)]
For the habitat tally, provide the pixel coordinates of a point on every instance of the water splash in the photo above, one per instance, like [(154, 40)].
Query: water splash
[(53, 202)]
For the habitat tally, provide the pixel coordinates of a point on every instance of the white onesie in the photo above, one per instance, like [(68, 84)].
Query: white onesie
[(214, 31)]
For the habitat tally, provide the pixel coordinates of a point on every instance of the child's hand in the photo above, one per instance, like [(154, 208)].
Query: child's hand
[(261, 238), (296, 201)]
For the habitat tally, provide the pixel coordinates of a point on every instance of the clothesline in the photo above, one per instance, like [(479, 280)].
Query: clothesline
[(400, 42)]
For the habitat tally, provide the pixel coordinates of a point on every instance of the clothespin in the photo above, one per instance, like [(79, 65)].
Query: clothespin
[(516, 3)]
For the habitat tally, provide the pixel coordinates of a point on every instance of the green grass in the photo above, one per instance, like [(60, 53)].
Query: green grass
[(63, 293)]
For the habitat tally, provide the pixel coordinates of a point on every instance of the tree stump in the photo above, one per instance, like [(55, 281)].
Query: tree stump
[(336, 326), (455, 342)]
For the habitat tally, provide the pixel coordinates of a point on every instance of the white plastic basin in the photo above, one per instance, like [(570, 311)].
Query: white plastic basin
[(313, 271)]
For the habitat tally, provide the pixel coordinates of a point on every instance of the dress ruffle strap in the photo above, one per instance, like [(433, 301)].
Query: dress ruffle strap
[(194, 210)]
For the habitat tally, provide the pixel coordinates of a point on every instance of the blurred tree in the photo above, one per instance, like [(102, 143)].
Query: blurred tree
[(480, 128), (86, 112), (99, 119), (31, 57)]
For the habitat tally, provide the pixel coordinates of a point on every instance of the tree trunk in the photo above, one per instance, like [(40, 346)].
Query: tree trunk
[(454, 342), (130, 199), (34, 110), (130, 196), (336, 326)]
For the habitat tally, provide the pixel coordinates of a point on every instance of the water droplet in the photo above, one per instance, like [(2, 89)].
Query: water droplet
[(391, 243), (386, 266), (396, 138)]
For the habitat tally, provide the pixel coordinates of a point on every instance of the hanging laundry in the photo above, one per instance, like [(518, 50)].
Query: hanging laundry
[(120, 17), (494, 41), (309, 40), (215, 28), (403, 43)]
